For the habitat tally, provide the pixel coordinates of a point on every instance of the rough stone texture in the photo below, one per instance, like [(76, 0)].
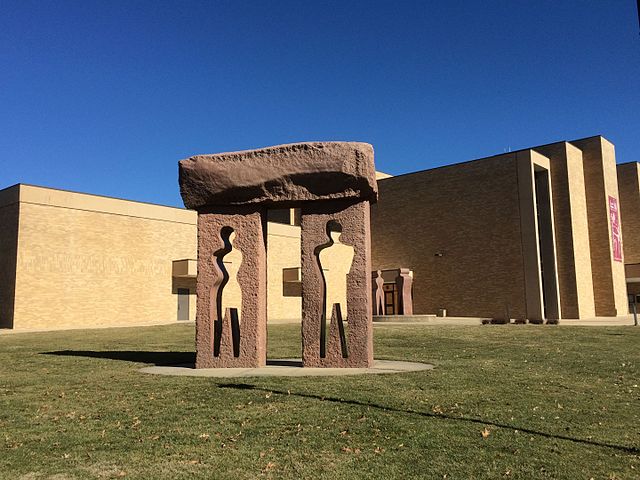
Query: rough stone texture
[(282, 174), (248, 223), (354, 219)]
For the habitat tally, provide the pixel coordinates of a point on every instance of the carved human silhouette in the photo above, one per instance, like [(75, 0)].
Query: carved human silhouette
[(380, 310), (335, 261), (226, 293), (232, 293)]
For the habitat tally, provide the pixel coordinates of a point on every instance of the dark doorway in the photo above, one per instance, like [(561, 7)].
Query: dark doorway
[(183, 304), (546, 244), (390, 298)]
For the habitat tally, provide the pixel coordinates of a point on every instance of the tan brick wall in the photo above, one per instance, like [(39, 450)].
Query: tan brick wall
[(190, 283), (469, 213), (572, 234), (629, 187), (88, 261), (84, 268), (530, 240), (284, 305), (9, 208), (283, 251), (601, 181)]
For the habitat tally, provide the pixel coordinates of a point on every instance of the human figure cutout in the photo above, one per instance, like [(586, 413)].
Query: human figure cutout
[(335, 259), (232, 293), (226, 293), (379, 294)]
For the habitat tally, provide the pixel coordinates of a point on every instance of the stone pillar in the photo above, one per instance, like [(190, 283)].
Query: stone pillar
[(404, 283), (354, 220), (248, 223)]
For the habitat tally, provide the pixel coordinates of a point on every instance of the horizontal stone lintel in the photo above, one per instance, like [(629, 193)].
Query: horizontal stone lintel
[(284, 175)]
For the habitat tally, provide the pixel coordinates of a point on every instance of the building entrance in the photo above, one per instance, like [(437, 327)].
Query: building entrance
[(390, 298), (183, 304), (392, 292)]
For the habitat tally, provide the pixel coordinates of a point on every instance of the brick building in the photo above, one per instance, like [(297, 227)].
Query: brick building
[(528, 234), (74, 260), (629, 186), (524, 234)]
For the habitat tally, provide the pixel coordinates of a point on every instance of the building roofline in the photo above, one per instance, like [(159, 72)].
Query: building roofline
[(31, 185), (570, 142), (26, 194), (10, 195)]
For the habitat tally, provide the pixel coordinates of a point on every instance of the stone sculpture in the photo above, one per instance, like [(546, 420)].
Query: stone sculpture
[(214, 336), (380, 307), (400, 281), (331, 259), (405, 282), (333, 183)]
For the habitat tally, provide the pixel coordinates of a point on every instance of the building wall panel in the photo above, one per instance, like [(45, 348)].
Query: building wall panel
[(284, 302), (82, 268), (572, 234), (9, 217), (601, 182), (629, 187), (458, 229)]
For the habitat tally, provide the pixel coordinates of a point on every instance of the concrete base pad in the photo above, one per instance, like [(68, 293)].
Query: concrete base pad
[(404, 318), (383, 320), (287, 368)]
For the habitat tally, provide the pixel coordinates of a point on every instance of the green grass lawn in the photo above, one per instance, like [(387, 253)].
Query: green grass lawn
[(521, 402)]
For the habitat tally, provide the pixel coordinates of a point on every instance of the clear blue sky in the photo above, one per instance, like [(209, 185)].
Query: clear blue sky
[(106, 96)]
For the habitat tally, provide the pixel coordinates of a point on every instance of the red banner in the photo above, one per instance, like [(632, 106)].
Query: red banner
[(616, 237)]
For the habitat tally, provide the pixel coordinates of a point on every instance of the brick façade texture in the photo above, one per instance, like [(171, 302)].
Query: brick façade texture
[(84, 268), (600, 176), (573, 251), (458, 229), (629, 189)]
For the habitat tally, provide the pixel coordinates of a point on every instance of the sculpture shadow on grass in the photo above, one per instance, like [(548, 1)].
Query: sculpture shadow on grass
[(161, 359), (439, 416)]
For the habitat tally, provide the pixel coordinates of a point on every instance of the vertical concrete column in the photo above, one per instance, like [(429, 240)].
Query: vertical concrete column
[(529, 232), (546, 234), (354, 220), (573, 251), (629, 189), (538, 239), (9, 220), (404, 283), (248, 224), (601, 183)]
